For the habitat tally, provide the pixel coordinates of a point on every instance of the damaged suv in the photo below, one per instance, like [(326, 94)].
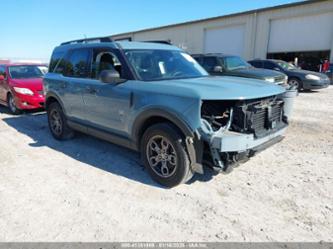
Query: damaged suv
[(156, 99)]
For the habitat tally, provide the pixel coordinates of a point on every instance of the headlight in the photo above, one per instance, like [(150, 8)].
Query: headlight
[(271, 80), (312, 77), (24, 91)]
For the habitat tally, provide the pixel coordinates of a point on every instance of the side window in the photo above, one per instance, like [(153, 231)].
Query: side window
[(209, 63), (257, 64), (269, 65), (2, 70), (104, 59), (76, 64), (55, 58)]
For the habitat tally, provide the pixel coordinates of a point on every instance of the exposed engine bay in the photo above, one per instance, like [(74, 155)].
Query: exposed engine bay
[(258, 118)]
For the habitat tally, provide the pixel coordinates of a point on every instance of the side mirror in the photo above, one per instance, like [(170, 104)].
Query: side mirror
[(218, 69), (111, 76), (2, 77)]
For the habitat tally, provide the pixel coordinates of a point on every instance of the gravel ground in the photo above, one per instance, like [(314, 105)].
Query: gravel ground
[(89, 190)]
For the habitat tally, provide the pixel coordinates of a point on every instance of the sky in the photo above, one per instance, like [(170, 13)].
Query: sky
[(30, 29)]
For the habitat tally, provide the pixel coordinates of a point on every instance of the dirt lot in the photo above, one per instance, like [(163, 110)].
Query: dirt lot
[(89, 190)]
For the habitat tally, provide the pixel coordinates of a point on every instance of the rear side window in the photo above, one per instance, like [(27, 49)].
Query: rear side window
[(209, 63), (257, 64), (76, 64), (56, 57), (2, 70), (269, 65)]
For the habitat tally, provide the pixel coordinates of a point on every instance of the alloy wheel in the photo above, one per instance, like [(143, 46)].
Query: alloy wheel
[(294, 83), (56, 122), (162, 157), (11, 104)]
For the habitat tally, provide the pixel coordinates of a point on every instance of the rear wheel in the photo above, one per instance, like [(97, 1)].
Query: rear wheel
[(164, 155), (58, 122), (12, 105)]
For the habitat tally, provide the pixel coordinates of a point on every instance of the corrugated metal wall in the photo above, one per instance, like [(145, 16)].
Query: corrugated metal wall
[(191, 37)]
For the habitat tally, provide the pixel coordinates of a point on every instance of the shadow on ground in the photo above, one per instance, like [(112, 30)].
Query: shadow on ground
[(86, 149)]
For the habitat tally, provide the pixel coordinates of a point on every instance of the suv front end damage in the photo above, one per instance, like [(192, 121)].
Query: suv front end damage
[(236, 130)]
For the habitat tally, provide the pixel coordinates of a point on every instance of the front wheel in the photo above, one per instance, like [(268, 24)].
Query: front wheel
[(293, 82), (164, 155), (12, 105), (58, 122)]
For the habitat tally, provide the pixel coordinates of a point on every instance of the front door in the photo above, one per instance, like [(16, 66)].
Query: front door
[(106, 105)]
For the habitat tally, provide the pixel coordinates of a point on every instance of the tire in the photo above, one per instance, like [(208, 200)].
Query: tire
[(58, 123), (12, 106), (296, 82), (164, 155)]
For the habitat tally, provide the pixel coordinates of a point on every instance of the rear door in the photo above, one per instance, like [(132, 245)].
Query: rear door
[(74, 69)]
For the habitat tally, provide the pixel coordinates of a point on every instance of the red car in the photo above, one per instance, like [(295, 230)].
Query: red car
[(21, 86)]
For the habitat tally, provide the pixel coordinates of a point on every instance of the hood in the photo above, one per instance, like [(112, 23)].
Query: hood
[(213, 88), (257, 73), (32, 84)]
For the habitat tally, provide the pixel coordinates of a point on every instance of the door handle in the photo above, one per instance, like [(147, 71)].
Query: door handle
[(91, 90)]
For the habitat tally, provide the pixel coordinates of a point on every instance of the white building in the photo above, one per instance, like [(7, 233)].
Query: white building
[(301, 30)]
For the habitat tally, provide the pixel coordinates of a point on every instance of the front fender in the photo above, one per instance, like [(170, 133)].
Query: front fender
[(193, 145), (173, 117)]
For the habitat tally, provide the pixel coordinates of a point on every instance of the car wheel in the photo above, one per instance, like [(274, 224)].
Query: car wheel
[(58, 122), (293, 82), (164, 155), (12, 105)]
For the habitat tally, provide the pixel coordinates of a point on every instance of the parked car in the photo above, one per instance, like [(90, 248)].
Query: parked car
[(156, 99), (21, 86), (302, 79), (231, 65)]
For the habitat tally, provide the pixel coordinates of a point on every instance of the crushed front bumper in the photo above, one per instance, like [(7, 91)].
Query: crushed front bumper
[(232, 141), (227, 147)]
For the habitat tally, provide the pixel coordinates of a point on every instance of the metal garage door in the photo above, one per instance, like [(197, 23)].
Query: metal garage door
[(228, 40), (306, 33)]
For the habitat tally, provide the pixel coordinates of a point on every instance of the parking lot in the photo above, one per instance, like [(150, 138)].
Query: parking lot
[(89, 190)]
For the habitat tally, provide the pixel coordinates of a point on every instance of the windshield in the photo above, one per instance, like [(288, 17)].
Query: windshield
[(26, 72), (285, 65), (235, 62), (164, 65)]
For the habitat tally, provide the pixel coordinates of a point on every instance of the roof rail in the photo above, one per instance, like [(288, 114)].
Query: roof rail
[(88, 40)]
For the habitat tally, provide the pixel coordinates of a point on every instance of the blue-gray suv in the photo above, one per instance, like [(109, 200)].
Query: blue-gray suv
[(156, 99)]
